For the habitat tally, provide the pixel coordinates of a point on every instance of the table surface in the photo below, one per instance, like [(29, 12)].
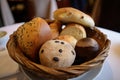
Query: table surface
[(109, 71)]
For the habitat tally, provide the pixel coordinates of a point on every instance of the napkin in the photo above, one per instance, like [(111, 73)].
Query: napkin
[(7, 65)]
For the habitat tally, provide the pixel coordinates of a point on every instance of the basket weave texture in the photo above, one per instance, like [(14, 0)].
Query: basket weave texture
[(61, 73)]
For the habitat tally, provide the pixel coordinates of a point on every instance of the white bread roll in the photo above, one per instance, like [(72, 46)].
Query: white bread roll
[(75, 30), (68, 38), (70, 14), (31, 35)]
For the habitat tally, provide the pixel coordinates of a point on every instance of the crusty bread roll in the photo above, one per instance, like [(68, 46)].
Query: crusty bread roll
[(68, 38), (74, 30), (55, 27), (69, 14), (31, 35)]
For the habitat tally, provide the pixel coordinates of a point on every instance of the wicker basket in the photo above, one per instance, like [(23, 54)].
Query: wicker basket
[(61, 73)]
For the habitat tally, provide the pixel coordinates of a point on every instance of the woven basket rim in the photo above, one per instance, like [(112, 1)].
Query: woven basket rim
[(69, 72)]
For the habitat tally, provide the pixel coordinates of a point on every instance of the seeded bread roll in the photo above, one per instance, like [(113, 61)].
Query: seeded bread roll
[(31, 35), (69, 14), (75, 30), (55, 27), (68, 38)]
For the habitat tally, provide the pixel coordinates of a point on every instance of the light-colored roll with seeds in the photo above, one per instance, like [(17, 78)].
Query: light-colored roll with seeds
[(70, 14)]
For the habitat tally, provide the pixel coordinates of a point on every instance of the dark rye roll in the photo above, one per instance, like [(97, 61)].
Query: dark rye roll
[(86, 49)]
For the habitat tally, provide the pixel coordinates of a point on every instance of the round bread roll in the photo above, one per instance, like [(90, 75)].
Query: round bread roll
[(86, 49), (55, 27), (57, 53), (75, 30), (68, 38), (31, 35), (70, 14)]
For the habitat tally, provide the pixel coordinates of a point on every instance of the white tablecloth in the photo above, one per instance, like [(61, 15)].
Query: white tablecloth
[(110, 69)]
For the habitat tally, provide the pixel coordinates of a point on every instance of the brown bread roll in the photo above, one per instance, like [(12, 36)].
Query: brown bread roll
[(86, 49), (31, 35), (56, 27)]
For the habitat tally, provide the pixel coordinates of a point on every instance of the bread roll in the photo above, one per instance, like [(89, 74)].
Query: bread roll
[(75, 30), (55, 27), (57, 53), (31, 35), (86, 49), (70, 14), (68, 38)]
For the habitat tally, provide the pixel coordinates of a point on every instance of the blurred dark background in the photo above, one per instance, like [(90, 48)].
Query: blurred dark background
[(106, 13)]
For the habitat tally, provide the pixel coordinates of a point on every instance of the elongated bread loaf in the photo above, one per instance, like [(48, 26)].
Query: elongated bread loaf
[(70, 14)]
